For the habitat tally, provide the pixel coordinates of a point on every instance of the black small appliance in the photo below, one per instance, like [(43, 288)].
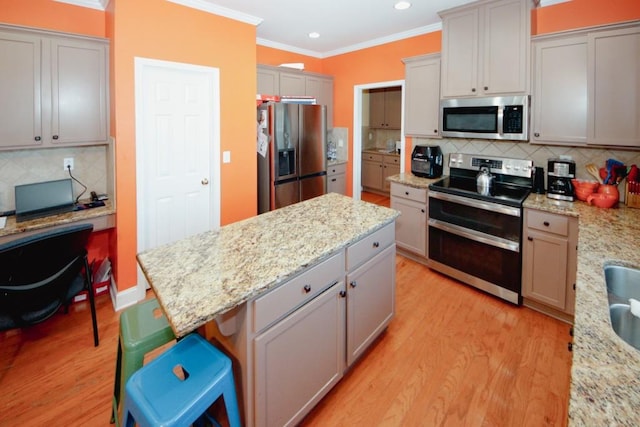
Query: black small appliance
[(538, 180), (560, 172), (426, 161)]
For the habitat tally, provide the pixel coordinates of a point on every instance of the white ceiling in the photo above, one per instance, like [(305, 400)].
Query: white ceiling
[(344, 25)]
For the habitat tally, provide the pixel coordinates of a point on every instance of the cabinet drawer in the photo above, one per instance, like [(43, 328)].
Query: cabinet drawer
[(372, 157), (411, 193), (337, 169), (297, 291), (544, 221), (370, 246), (392, 160)]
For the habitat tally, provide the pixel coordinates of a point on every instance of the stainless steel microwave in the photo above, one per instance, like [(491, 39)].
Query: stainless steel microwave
[(499, 117)]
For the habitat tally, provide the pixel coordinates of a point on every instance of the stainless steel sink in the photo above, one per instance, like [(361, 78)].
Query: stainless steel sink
[(623, 283)]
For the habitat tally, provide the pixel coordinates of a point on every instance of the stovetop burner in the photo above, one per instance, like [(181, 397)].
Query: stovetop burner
[(512, 178)]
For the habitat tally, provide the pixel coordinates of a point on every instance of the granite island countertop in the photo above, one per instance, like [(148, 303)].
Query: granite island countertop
[(605, 374), (200, 277)]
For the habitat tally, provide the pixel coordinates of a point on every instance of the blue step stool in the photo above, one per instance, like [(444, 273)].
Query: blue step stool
[(177, 387)]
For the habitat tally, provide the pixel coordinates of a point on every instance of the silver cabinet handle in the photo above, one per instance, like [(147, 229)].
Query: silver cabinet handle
[(204, 181)]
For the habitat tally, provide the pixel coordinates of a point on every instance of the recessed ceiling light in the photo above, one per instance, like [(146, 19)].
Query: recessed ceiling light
[(314, 35), (402, 5)]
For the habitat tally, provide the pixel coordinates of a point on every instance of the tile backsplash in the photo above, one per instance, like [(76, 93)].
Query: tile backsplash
[(538, 153), (373, 139), (28, 166)]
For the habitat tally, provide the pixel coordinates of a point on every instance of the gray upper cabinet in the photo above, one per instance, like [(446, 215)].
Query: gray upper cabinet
[(485, 49), (559, 107), (53, 90), (273, 81), (422, 95), (614, 87)]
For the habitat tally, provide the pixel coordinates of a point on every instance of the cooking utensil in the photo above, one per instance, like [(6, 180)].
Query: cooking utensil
[(593, 171)]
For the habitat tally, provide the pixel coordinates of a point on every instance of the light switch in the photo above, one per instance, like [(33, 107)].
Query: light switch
[(341, 143), (226, 157)]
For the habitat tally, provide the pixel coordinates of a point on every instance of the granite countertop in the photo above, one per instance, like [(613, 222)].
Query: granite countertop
[(381, 151), (605, 375), (200, 277), (335, 162), (13, 227), (412, 180)]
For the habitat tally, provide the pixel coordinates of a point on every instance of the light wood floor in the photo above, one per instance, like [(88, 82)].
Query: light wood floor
[(451, 356)]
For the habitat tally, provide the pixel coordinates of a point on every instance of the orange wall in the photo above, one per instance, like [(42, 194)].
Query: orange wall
[(162, 30), (583, 13), (52, 15)]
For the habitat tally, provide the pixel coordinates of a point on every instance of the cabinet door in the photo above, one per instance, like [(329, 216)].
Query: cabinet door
[(298, 360), (390, 167), (268, 82), (78, 92), (393, 108), (422, 97), (460, 53), (560, 91), (20, 90), (544, 277), (322, 90), (337, 183), (411, 225), (614, 87), (376, 109), (505, 48), (372, 174), (292, 84), (370, 301)]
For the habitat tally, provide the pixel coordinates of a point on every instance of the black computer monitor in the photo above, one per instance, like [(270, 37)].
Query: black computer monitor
[(43, 198)]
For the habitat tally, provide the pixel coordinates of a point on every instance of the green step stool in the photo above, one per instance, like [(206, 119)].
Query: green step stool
[(143, 328)]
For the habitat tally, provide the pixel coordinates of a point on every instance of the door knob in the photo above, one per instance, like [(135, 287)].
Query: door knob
[(204, 181)]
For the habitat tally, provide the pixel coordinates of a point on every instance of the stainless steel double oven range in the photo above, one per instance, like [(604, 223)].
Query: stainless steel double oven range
[(475, 235)]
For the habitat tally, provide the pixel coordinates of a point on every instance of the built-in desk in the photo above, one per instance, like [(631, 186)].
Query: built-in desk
[(102, 218)]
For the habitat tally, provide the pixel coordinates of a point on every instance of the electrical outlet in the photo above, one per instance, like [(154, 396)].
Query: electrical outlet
[(68, 163)]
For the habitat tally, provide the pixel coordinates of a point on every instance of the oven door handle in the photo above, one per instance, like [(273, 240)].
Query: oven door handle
[(487, 206), (477, 236)]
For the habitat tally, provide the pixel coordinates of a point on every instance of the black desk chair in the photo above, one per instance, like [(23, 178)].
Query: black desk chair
[(42, 272)]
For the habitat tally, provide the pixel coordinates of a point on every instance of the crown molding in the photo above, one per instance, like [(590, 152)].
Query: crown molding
[(205, 6), (91, 4)]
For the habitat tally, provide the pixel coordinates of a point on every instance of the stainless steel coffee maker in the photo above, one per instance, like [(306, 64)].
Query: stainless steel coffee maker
[(560, 172)]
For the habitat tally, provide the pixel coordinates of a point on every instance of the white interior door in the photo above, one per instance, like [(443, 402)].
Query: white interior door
[(177, 151)]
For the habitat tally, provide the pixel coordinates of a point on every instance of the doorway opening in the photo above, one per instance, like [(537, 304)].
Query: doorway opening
[(376, 135)]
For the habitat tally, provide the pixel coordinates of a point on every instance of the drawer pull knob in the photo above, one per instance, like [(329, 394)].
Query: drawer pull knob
[(343, 294), (422, 210), (406, 192), (546, 223), (376, 244), (529, 238), (307, 288), (570, 346), (37, 138), (353, 284)]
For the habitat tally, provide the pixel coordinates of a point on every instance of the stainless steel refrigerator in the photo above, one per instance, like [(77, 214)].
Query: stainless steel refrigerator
[(292, 164)]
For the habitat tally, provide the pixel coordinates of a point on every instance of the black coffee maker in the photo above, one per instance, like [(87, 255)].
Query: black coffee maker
[(560, 172)]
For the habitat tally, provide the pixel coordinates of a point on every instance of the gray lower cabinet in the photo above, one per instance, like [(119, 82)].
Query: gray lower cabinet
[(549, 258), (309, 345), (411, 225), (292, 344), (337, 179)]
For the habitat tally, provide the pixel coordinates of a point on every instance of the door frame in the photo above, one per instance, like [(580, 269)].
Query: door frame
[(140, 64), (358, 91)]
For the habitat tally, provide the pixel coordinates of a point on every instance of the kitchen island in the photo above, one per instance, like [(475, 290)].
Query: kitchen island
[(605, 375), (299, 292)]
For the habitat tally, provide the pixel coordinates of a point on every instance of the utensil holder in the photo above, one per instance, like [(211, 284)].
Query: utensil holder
[(632, 200)]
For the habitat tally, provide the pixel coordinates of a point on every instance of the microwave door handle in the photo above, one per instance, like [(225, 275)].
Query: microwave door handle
[(500, 120)]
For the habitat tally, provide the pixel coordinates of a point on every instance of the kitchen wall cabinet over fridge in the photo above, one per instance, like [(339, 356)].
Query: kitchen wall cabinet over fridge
[(485, 49), (422, 95), (53, 90)]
